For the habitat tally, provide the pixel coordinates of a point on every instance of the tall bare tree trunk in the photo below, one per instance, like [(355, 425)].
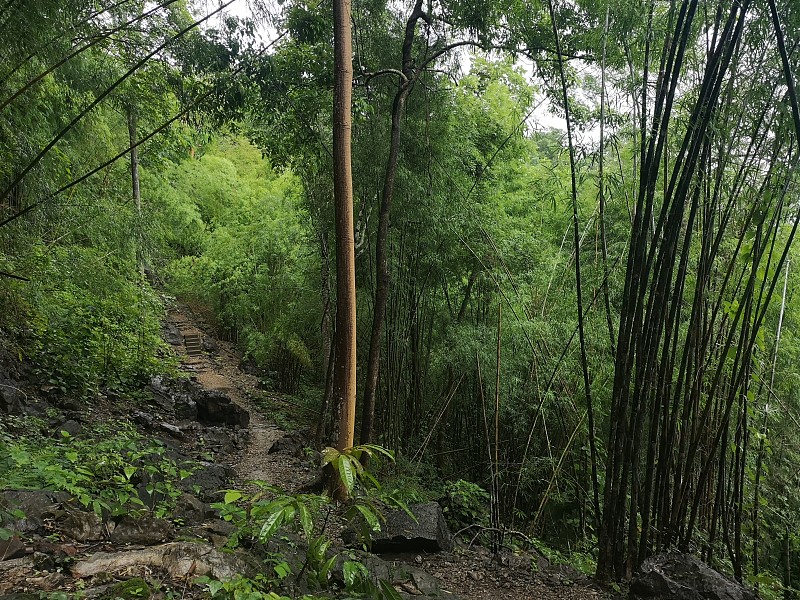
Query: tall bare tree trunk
[(587, 387), (137, 193), (407, 78), (344, 375)]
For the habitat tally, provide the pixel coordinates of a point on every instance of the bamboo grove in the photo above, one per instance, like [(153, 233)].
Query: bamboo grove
[(594, 319)]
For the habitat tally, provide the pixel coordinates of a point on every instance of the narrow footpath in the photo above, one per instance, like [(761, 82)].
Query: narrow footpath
[(219, 370), (469, 572)]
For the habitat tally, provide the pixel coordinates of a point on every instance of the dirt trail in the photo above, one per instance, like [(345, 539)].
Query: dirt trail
[(472, 574), (219, 370)]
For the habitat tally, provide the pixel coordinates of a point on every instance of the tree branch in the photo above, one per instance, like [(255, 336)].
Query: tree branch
[(12, 276)]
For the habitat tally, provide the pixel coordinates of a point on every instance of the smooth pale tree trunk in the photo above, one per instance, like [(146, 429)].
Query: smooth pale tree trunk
[(344, 374)]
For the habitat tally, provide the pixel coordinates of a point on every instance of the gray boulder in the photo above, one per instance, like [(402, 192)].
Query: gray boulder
[(37, 505), (147, 530), (12, 399), (210, 345), (217, 407), (173, 396), (400, 533), (291, 443), (70, 426), (15, 401), (207, 481), (192, 510), (172, 334), (675, 576), (84, 526), (409, 581), (12, 548), (188, 400)]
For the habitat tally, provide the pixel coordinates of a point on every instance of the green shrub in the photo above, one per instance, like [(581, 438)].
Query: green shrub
[(466, 504), (260, 517), (96, 328), (99, 470)]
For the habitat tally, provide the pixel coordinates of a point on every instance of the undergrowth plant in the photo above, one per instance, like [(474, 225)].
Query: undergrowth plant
[(466, 504), (98, 330), (367, 496), (100, 469), (263, 516)]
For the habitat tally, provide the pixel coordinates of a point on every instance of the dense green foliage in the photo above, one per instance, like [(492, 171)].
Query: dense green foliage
[(681, 212), (100, 469), (240, 235)]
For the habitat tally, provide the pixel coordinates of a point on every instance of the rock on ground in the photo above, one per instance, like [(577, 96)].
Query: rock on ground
[(400, 533), (675, 576), (37, 505), (147, 530), (83, 526), (292, 443)]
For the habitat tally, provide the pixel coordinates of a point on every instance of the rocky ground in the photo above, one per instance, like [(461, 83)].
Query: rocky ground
[(217, 420)]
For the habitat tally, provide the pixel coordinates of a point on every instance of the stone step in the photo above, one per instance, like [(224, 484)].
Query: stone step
[(193, 344)]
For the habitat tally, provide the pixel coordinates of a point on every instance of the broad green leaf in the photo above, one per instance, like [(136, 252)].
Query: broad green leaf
[(232, 496), (283, 570), (369, 477), (271, 525), (326, 568), (289, 512), (375, 449), (356, 464), (214, 586), (346, 473), (352, 570), (349, 573), (369, 516), (329, 455), (305, 519)]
